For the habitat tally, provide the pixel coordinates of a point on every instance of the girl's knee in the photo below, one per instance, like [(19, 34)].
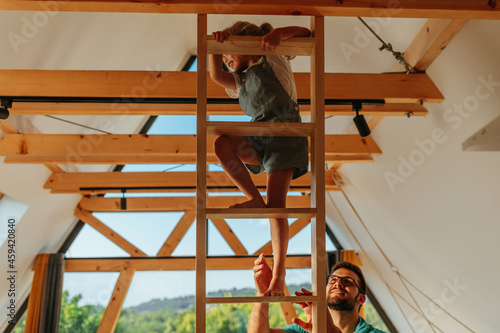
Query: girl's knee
[(222, 144)]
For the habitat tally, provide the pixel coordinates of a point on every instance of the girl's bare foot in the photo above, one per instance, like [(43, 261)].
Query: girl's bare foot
[(277, 286), (250, 204)]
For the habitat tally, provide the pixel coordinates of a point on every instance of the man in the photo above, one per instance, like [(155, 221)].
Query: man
[(345, 292)]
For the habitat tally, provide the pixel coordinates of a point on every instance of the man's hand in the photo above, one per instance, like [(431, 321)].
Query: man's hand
[(262, 275), (307, 307)]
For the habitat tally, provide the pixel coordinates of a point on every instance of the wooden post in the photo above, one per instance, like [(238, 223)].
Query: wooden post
[(201, 174), (318, 260)]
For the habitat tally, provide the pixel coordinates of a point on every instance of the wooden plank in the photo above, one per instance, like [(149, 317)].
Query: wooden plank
[(260, 299), (108, 233), (173, 263), (288, 310), (295, 227), (376, 8), (1, 195), (260, 213), (173, 204), (114, 308), (177, 234), (105, 182), (251, 45), (432, 39), (33, 316), (201, 175), (123, 85), (146, 149), (142, 109), (260, 128), (231, 239), (318, 225)]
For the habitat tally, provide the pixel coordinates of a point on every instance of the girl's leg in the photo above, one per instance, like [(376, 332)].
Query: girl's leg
[(278, 183), (232, 152)]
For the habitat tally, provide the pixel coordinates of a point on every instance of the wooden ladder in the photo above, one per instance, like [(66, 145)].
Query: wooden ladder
[(313, 47)]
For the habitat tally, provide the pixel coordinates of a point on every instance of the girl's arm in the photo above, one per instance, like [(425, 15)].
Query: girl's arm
[(274, 38), (219, 76)]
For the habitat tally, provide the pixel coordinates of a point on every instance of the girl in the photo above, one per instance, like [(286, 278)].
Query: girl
[(266, 89)]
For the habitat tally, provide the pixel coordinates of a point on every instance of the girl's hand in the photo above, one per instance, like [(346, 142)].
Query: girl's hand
[(221, 36), (271, 41)]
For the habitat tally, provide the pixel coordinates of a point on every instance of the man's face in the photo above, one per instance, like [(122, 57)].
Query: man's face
[(341, 297)]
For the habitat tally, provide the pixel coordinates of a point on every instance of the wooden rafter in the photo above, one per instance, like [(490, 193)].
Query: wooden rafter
[(123, 86), (177, 234), (288, 310), (173, 263), (114, 308), (105, 182), (432, 39), (173, 204), (109, 233), (295, 227), (229, 236), (138, 148), (402, 8)]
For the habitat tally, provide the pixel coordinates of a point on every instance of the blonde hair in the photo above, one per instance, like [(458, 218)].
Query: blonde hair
[(243, 28)]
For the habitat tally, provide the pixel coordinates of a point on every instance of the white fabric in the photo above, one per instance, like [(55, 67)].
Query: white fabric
[(282, 69)]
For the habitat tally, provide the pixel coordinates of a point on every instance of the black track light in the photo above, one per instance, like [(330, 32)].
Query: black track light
[(123, 201), (360, 120), (4, 108)]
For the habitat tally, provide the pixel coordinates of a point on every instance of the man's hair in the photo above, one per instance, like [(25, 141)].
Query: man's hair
[(355, 269)]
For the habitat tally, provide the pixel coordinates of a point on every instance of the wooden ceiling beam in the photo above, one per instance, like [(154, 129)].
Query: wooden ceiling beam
[(173, 263), (142, 149), (126, 87), (136, 109), (431, 40), (173, 204), (376, 8)]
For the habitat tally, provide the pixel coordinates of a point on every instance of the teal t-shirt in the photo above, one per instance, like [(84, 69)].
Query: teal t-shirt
[(363, 327)]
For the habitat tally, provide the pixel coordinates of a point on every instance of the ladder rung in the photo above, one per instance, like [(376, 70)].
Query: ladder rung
[(260, 128), (245, 213), (261, 299), (250, 45)]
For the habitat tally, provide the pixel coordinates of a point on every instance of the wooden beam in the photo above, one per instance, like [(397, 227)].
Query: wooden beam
[(140, 148), (231, 239), (432, 39), (251, 45), (173, 263), (105, 182), (295, 227), (126, 86), (139, 109), (173, 204), (1, 195), (177, 234), (377, 8), (108, 233), (288, 310), (114, 308)]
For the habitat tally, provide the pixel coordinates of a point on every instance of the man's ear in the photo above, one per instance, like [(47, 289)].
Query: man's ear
[(362, 298)]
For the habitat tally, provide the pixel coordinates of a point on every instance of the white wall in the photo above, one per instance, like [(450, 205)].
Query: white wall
[(439, 220)]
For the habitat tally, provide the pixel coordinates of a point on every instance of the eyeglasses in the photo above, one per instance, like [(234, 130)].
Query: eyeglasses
[(345, 280)]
